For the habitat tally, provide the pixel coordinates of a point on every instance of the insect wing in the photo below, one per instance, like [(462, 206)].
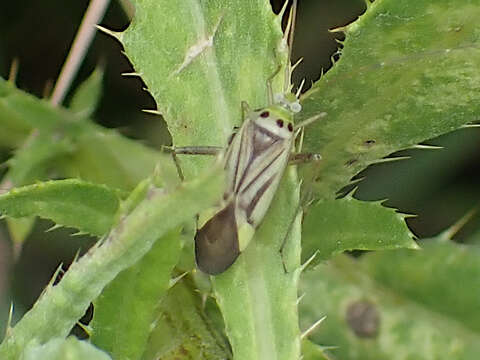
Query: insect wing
[(257, 175), (216, 243)]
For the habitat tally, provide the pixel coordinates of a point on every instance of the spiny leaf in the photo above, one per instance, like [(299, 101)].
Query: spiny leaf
[(444, 277), (373, 313), (61, 305), (32, 162), (135, 293), (334, 226), (200, 60), (87, 207), (218, 55), (98, 155), (408, 72)]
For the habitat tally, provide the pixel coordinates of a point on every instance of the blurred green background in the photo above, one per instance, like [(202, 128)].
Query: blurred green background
[(439, 186)]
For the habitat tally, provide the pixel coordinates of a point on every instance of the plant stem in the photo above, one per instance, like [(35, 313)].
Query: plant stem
[(81, 43)]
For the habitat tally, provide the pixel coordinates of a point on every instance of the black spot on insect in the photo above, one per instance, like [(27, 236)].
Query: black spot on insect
[(265, 114), (351, 162), (290, 127), (280, 123), (369, 142), (363, 318)]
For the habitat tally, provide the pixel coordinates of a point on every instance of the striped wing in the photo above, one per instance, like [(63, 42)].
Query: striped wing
[(255, 162)]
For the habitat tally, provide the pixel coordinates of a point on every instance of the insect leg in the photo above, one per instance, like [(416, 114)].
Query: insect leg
[(193, 150), (310, 120), (189, 150)]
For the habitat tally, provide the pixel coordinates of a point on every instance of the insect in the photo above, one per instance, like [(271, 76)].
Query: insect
[(254, 163)]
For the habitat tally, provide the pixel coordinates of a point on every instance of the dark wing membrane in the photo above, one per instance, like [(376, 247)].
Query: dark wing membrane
[(216, 243)]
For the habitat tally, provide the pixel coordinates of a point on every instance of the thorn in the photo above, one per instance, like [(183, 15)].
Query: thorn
[(75, 258), (427, 147), (52, 279), (469, 126), (306, 263), (387, 160), (154, 112), (9, 320), (131, 74), (342, 29), (299, 61), (356, 181), (312, 328), (290, 24), (299, 90), (80, 233), (177, 279), (12, 76), (455, 228), (88, 329), (54, 227), (300, 298), (114, 34), (284, 8), (351, 193)]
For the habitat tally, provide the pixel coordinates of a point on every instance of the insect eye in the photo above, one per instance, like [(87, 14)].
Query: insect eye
[(290, 127), (280, 123), (265, 114)]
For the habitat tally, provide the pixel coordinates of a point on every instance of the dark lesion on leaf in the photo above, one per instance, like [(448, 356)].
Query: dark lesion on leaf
[(363, 318)]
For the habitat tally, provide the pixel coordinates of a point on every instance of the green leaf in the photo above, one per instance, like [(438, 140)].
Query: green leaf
[(105, 157), (200, 60), (408, 72), (86, 97), (444, 277), (334, 226), (61, 349), (98, 155), (135, 293), (61, 305), (33, 160), (87, 207), (31, 163), (368, 319), (16, 125), (183, 330)]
